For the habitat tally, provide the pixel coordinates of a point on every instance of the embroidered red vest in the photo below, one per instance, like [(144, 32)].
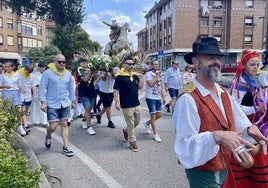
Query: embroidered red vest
[(212, 119)]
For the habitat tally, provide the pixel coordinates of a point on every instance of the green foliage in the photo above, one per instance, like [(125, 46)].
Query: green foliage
[(14, 171), (35, 54), (73, 40), (45, 55), (68, 12)]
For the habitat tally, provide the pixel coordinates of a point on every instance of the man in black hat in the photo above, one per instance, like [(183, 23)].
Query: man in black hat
[(210, 125)]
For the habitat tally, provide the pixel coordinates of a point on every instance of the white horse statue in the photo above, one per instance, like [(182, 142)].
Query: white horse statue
[(114, 48)]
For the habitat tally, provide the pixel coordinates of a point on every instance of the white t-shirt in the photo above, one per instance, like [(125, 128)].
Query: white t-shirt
[(155, 91)]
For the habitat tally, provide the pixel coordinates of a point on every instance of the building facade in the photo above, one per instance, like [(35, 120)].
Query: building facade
[(173, 25), (19, 33)]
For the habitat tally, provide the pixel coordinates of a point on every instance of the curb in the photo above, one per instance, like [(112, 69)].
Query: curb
[(33, 160)]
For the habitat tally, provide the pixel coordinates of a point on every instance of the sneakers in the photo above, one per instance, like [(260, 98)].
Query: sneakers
[(133, 146), (26, 128), (48, 142), (157, 138), (67, 152), (111, 125), (98, 116), (167, 106), (84, 124), (147, 128), (91, 131), (21, 130), (80, 116), (125, 135)]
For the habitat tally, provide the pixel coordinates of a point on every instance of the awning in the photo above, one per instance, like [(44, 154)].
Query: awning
[(9, 55)]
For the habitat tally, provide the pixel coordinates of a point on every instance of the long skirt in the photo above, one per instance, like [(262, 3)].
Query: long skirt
[(254, 177), (37, 116)]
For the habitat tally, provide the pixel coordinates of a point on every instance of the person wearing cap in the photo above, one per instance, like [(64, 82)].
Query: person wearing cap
[(210, 125), (244, 90)]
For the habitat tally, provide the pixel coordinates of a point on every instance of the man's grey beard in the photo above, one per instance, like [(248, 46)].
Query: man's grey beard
[(212, 72)]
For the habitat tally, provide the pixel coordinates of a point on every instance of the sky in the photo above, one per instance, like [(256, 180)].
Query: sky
[(130, 11)]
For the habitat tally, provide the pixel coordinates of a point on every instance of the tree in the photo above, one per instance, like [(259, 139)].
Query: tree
[(63, 12), (68, 15), (73, 40), (45, 55), (35, 54)]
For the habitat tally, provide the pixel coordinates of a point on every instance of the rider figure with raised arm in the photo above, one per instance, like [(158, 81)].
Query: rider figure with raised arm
[(115, 30)]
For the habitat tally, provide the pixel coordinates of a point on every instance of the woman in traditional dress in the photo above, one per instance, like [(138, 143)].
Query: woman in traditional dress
[(245, 90)]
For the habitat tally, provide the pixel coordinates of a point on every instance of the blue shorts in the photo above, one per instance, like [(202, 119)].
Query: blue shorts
[(173, 93), (26, 104), (56, 114), (13, 96), (154, 105), (87, 102)]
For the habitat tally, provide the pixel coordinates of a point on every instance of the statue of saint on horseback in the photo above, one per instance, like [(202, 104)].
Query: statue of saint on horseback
[(118, 37)]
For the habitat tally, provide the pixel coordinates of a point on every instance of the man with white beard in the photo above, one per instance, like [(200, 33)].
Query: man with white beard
[(210, 125)]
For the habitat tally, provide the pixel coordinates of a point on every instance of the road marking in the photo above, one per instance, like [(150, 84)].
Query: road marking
[(98, 170)]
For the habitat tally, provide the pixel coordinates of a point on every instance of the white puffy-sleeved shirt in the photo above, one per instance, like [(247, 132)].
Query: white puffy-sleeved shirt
[(193, 148)]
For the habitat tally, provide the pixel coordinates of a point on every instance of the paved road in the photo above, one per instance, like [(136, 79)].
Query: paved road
[(104, 160)]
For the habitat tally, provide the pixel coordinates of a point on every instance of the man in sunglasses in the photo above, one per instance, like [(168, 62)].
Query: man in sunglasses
[(126, 96), (56, 94)]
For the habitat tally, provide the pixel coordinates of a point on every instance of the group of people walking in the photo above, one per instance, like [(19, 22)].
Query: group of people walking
[(219, 132)]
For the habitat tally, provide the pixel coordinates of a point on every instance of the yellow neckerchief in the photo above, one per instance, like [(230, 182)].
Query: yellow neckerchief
[(123, 73), (54, 69), (9, 74), (24, 73)]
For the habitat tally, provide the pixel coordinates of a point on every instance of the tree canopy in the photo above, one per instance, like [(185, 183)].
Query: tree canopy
[(63, 12), (70, 38), (45, 55)]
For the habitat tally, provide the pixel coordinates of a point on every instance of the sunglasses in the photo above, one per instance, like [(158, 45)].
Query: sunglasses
[(61, 62), (130, 64)]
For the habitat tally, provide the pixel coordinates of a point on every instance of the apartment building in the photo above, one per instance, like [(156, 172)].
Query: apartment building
[(19, 33), (173, 25)]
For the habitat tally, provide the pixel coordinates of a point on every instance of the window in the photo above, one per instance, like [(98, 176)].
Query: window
[(10, 24), (217, 3), (1, 39), (204, 22), (1, 22), (204, 2), (39, 30), (218, 21), (39, 44), (9, 9), (218, 37), (249, 21), (10, 40), (249, 3), (248, 39)]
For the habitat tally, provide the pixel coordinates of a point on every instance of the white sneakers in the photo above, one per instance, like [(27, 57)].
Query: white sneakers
[(84, 124), (91, 131), (157, 138), (21, 130), (147, 128)]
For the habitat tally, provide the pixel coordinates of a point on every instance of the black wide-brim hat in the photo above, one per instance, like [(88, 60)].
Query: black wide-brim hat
[(206, 45)]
